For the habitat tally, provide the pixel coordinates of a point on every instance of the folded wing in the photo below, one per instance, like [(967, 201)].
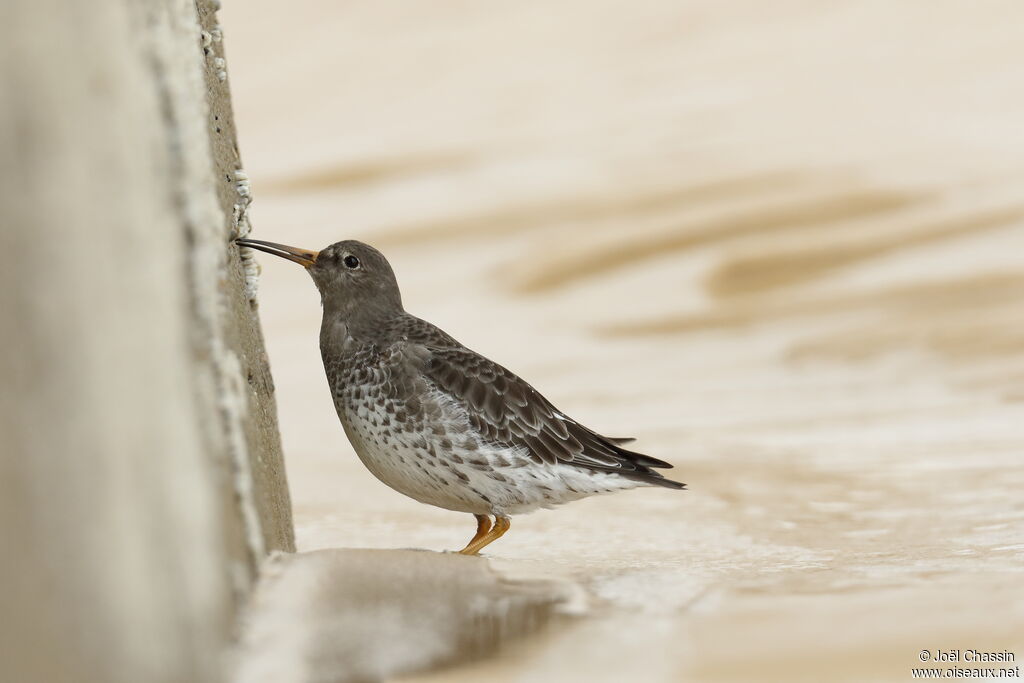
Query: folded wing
[(506, 410)]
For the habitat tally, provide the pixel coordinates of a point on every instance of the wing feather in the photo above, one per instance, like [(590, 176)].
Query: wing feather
[(508, 411)]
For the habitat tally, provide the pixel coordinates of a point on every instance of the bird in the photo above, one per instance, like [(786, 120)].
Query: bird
[(441, 423)]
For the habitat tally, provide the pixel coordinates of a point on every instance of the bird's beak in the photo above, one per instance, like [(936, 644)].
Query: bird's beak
[(303, 257)]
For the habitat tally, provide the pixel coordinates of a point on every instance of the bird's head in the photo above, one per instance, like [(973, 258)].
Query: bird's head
[(354, 279)]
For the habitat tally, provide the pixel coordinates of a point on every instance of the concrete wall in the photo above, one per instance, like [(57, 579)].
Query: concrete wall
[(141, 477)]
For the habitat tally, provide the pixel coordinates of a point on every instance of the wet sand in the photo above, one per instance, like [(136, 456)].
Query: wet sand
[(781, 247)]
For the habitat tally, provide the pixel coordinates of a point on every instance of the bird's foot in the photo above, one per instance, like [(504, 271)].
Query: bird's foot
[(501, 525)]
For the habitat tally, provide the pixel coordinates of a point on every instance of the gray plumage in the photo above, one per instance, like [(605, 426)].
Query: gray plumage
[(439, 422)]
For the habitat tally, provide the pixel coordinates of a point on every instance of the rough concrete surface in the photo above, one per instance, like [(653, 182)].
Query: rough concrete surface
[(257, 453), (140, 475)]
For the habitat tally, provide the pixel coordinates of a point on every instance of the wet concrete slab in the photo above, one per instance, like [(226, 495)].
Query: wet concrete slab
[(364, 615), (779, 246)]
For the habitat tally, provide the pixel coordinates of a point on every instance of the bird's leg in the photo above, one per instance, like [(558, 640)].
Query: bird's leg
[(483, 525), (501, 525)]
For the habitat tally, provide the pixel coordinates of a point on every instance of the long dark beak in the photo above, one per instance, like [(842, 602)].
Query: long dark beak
[(303, 257)]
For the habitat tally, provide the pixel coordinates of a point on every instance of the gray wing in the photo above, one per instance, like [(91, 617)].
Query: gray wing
[(506, 410)]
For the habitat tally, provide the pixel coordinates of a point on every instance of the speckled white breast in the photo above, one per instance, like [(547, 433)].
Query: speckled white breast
[(449, 466)]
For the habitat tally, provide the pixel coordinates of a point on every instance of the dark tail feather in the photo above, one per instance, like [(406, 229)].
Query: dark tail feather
[(648, 476), (636, 465), (640, 467), (667, 483), (641, 459)]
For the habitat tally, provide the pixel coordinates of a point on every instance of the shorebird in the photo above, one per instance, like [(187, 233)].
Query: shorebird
[(441, 423)]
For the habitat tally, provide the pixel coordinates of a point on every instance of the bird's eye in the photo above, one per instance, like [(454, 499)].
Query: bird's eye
[(351, 261)]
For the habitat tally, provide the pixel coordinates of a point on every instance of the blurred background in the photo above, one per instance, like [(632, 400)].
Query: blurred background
[(780, 243)]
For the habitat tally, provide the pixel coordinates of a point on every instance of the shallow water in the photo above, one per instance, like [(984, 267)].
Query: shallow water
[(781, 248)]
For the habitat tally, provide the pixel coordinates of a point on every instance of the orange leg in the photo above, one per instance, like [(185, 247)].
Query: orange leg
[(483, 525), (501, 525)]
